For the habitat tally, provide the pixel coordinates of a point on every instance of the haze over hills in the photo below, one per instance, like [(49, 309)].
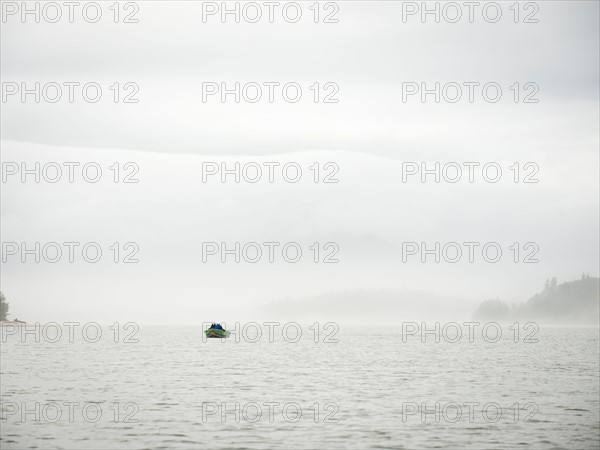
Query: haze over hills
[(373, 306), (369, 214), (570, 303)]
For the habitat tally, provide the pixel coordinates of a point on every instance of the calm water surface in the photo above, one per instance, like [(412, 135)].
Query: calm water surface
[(369, 390)]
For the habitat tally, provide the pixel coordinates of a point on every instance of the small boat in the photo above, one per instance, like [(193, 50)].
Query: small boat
[(216, 333)]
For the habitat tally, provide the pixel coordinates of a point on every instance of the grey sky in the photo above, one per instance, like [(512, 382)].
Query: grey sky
[(369, 133)]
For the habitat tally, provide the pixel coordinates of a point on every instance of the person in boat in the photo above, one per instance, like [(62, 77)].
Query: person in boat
[(212, 326), (218, 326)]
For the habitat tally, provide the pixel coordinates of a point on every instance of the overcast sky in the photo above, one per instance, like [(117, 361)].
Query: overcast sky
[(369, 134)]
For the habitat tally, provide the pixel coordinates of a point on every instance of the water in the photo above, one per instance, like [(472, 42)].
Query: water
[(365, 391)]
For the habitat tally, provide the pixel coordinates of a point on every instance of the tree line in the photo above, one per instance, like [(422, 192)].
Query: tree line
[(3, 307)]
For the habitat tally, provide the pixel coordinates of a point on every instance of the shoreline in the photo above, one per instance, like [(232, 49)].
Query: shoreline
[(5, 323)]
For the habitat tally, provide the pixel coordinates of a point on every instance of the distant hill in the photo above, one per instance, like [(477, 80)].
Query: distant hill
[(573, 302), (372, 306)]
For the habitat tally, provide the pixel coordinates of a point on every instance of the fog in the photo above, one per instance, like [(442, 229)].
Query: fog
[(367, 216)]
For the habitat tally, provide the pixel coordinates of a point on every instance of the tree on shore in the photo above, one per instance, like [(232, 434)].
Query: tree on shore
[(492, 309), (3, 307)]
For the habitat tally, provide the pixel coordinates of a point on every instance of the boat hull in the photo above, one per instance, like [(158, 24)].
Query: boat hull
[(212, 333)]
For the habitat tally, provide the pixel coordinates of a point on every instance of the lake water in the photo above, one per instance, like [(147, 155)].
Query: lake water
[(371, 389)]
